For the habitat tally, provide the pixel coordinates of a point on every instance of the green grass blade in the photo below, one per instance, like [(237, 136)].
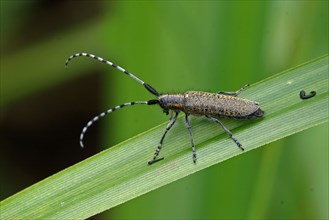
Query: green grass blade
[(121, 173)]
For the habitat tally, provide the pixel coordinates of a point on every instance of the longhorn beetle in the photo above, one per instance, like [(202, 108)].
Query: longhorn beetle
[(210, 105)]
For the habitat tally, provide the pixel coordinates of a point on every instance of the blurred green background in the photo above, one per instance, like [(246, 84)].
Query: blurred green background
[(174, 46)]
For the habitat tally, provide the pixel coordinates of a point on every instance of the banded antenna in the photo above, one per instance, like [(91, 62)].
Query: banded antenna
[(147, 86), (96, 118)]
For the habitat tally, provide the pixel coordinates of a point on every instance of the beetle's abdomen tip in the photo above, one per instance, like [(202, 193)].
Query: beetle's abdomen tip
[(258, 113)]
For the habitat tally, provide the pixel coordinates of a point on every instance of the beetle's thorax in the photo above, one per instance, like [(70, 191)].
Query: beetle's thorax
[(172, 102)]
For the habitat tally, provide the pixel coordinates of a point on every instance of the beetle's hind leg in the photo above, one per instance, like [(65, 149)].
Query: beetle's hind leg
[(157, 151), (187, 123), (227, 131), (234, 93)]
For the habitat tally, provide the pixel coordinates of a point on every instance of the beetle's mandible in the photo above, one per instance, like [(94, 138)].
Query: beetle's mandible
[(210, 105)]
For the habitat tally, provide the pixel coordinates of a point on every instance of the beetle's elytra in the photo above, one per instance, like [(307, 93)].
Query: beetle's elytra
[(210, 105)]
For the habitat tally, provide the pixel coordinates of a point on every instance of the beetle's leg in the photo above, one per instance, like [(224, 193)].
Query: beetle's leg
[(171, 123), (234, 93), (187, 123), (227, 131), (171, 114)]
